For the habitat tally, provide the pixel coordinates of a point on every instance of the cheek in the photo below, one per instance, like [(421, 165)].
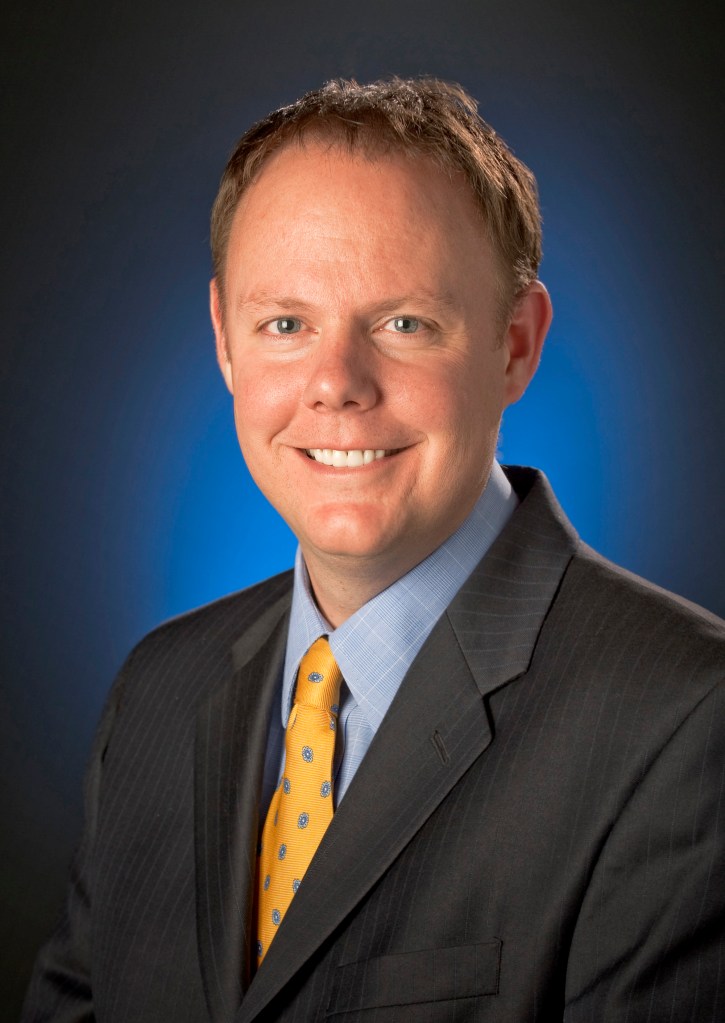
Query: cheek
[(263, 404), (456, 403), (423, 396)]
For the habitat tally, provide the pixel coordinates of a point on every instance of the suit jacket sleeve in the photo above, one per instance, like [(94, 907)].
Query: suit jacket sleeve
[(649, 935), (60, 988)]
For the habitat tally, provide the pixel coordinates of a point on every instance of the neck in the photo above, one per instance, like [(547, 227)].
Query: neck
[(342, 585)]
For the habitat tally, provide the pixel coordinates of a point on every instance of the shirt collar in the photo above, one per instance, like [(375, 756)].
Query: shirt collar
[(375, 647)]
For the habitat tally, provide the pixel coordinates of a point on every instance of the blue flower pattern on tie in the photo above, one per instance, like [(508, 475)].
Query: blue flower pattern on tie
[(294, 808)]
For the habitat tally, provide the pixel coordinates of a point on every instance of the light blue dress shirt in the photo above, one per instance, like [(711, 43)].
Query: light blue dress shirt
[(375, 647)]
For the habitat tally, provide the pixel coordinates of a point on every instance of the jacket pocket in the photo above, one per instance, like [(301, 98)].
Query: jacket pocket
[(409, 978)]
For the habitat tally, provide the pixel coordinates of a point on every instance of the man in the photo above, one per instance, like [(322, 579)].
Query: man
[(457, 767)]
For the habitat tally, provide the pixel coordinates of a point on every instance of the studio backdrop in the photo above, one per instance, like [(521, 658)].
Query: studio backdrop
[(126, 500)]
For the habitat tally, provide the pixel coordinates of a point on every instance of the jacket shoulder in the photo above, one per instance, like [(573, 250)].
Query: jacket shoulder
[(201, 642), (597, 569), (638, 622), (224, 619)]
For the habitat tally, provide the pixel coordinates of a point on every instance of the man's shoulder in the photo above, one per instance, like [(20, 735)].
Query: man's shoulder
[(621, 633), (593, 587), (647, 602), (210, 632), (638, 625)]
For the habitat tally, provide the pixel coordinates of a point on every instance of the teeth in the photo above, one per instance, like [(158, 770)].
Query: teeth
[(346, 459)]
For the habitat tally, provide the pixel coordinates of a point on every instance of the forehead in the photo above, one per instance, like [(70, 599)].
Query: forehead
[(317, 202), (344, 165)]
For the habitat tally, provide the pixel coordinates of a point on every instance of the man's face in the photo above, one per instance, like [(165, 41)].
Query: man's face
[(360, 318)]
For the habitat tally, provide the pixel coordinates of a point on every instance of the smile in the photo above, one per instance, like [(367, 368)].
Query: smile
[(347, 459)]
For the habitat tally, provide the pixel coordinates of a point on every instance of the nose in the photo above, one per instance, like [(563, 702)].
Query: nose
[(342, 374)]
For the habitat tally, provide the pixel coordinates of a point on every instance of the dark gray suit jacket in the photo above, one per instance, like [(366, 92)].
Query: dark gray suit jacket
[(536, 832)]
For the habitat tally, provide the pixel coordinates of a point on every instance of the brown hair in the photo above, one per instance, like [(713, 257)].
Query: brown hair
[(423, 116)]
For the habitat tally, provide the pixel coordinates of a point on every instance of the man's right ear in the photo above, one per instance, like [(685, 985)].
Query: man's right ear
[(222, 348)]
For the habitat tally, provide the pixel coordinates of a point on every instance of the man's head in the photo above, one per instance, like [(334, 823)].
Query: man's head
[(422, 117), (359, 330)]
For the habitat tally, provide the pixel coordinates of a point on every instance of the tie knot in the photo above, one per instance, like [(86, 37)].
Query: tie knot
[(318, 680)]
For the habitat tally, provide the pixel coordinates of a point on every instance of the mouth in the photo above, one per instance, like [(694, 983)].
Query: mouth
[(349, 459)]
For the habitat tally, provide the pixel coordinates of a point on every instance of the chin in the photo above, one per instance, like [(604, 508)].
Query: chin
[(343, 547), (349, 536)]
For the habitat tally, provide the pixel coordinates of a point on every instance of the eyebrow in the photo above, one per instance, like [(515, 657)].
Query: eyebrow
[(434, 299), (263, 300)]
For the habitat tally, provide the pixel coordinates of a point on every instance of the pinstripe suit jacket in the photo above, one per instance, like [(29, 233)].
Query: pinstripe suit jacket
[(535, 834)]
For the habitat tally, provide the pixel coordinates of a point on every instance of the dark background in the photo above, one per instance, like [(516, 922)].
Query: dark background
[(125, 498)]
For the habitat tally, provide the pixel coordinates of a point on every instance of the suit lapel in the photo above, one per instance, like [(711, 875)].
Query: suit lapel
[(498, 612), (437, 726), (231, 739)]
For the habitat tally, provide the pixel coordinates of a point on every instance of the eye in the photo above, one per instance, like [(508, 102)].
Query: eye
[(403, 325), (284, 325)]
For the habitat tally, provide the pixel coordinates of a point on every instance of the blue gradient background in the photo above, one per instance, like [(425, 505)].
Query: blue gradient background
[(126, 499)]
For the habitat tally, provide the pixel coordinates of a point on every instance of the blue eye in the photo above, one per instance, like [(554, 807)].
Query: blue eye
[(405, 324), (285, 325)]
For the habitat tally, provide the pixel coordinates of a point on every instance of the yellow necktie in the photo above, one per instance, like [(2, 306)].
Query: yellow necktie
[(301, 808)]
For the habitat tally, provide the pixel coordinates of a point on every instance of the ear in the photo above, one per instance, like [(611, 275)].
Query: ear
[(222, 348), (524, 339)]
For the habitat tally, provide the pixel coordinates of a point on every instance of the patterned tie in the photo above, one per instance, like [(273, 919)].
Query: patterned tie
[(301, 808)]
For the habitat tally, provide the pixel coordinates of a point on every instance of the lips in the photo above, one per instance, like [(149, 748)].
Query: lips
[(352, 459)]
